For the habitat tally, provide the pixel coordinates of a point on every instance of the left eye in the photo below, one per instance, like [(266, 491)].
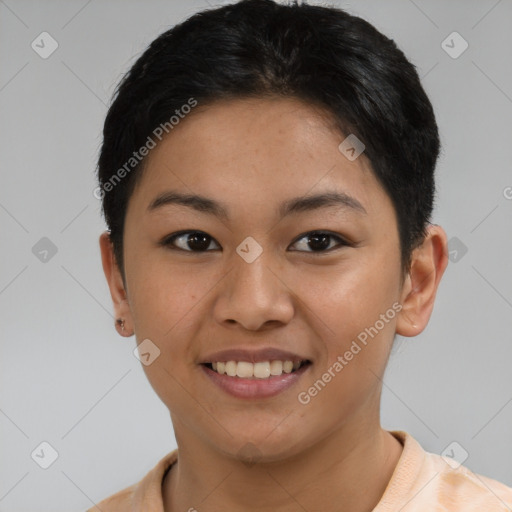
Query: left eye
[(198, 241), (319, 241)]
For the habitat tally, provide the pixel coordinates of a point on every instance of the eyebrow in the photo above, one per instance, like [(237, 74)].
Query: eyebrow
[(296, 205)]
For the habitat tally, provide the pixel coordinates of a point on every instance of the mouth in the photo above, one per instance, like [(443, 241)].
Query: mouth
[(260, 380), (259, 370)]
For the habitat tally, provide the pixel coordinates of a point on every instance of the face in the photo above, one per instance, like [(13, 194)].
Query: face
[(309, 279)]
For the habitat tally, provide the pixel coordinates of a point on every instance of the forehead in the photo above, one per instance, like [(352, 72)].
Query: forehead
[(255, 152)]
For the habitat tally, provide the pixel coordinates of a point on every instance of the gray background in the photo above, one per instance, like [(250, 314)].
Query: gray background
[(68, 379)]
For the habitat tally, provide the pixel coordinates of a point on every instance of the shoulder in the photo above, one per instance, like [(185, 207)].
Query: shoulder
[(456, 485), (143, 495), (429, 481), (119, 501)]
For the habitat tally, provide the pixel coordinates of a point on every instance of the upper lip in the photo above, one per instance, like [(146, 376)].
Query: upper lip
[(253, 355)]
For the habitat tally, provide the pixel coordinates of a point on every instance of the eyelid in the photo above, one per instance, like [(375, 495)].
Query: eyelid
[(168, 240), (341, 240)]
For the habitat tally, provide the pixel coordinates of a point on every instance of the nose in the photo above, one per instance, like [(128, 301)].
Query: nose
[(254, 295)]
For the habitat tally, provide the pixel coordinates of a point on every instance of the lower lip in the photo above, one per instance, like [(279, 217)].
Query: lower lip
[(255, 388)]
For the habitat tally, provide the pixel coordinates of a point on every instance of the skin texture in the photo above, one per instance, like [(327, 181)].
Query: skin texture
[(251, 155)]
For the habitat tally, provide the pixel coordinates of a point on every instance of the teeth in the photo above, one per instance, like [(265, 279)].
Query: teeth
[(276, 368), (231, 368), (244, 370), (261, 370)]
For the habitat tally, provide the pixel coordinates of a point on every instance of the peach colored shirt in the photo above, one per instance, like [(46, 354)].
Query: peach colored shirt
[(421, 481)]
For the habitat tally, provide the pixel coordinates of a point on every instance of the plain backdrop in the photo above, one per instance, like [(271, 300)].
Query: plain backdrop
[(69, 380)]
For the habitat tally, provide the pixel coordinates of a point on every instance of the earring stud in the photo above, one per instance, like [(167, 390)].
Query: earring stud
[(120, 322)]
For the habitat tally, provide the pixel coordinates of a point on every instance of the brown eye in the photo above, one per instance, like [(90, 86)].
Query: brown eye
[(319, 241), (198, 241), (190, 241)]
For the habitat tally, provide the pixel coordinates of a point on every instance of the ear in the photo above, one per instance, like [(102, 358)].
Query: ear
[(117, 290), (428, 263)]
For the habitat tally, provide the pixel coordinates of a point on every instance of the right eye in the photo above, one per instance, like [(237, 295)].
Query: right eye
[(189, 241)]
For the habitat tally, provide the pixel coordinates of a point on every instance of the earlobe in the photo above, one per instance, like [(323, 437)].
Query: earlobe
[(428, 264), (115, 283)]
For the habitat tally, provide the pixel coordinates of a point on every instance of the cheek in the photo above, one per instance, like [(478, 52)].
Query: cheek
[(164, 297), (356, 341), (347, 310), (350, 299), (167, 309)]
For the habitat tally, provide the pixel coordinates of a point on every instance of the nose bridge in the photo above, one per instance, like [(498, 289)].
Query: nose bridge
[(253, 293), (252, 275)]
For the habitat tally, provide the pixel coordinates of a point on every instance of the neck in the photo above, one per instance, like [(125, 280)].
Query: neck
[(350, 467)]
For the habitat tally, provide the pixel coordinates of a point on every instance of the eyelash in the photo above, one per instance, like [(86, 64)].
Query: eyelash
[(169, 240)]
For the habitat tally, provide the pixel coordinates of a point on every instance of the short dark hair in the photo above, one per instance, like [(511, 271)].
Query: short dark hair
[(259, 48)]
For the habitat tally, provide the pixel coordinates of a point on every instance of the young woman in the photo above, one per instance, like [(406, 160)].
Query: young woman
[(267, 177)]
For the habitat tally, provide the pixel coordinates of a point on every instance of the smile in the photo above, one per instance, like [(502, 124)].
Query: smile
[(247, 380), (260, 370)]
